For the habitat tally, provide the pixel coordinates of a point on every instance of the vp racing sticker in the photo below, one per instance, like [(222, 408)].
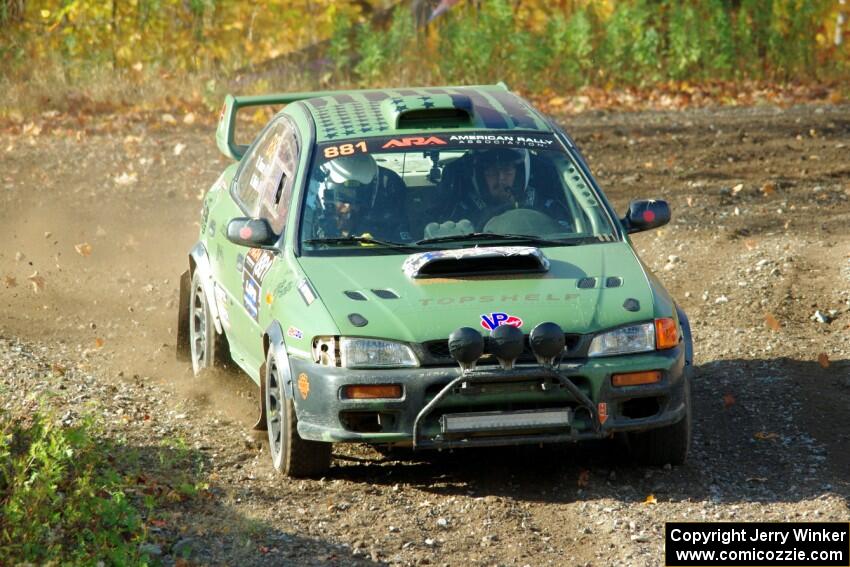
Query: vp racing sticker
[(496, 319), (255, 266)]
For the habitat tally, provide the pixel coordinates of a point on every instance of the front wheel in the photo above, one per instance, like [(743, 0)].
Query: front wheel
[(291, 455), (670, 444)]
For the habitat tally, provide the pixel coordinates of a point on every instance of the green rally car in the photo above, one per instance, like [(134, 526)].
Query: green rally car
[(435, 268)]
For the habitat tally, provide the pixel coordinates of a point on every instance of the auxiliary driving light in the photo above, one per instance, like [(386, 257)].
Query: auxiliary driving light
[(547, 342), (466, 345), (506, 344)]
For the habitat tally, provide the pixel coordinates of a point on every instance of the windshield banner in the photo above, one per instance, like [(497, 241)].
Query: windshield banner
[(439, 141)]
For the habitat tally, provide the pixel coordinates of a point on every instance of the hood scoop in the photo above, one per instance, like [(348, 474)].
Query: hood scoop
[(476, 262)]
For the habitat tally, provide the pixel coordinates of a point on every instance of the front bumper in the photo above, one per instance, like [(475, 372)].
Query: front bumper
[(518, 403)]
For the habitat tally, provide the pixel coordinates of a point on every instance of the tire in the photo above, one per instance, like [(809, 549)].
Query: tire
[(669, 444), (292, 456), (207, 348)]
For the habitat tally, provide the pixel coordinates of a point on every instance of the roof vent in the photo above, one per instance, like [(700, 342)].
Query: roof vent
[(355, 295), (433, 111)]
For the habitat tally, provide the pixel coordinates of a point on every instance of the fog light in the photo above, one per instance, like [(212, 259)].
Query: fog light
[(636, 378), (371, 391), (506, 344)]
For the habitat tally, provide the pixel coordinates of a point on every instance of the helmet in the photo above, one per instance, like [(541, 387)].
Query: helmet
[(346, 178), (486, 160), (499, 156)]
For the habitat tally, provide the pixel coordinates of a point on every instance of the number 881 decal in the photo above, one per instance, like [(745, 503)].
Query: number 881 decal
[(331, 152)]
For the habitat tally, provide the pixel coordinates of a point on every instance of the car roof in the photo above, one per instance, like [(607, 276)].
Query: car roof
[(404, 111)]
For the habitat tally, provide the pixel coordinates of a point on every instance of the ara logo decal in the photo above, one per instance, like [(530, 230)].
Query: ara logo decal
[(414, 141), (494, 320)]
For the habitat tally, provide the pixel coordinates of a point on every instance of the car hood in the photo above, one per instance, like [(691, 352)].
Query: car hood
[(396, 306)]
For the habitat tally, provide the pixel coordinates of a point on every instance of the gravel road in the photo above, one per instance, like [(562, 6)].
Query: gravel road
[(97, 218)]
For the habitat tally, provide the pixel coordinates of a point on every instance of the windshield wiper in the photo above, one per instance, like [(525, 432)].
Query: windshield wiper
[(493, 236), (343, 240)]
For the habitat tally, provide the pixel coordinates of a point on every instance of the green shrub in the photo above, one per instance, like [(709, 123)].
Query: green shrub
[(60, 498)]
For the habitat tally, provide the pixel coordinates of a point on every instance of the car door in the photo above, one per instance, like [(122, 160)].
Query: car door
[(257, 192)]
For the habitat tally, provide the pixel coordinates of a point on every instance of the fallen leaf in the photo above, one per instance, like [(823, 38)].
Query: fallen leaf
[(189, 119), (19, 256), (37, 282), (58, 369), (10, 281), (823, 360), (771, 322), (737, 188), (583, 478), (765, 436), (750, 244), (651, 499), (728, 400), (690, 201), (83, 249), (127, 178), (98, 342), (178, 148), (168, 119), (768, 188)]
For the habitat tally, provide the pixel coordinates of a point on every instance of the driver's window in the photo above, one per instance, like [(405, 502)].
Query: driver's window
[(261, 172)]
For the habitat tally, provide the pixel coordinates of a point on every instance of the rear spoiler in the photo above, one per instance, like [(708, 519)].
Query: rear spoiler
[(225, 137), (225, 133)]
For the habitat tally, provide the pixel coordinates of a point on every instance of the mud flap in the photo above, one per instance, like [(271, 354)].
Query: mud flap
[(261, 424), (182, 348)]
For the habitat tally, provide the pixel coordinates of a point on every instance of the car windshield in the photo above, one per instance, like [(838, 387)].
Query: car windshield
[(448, 190)]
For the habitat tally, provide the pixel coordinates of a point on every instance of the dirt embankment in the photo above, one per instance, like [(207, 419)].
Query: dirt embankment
[(96, 229)]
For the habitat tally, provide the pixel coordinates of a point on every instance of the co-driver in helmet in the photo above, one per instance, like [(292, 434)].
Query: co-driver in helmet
[(360, 198)]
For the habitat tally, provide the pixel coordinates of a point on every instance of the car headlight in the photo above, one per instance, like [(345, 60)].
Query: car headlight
[(637, 338), (354, 352)]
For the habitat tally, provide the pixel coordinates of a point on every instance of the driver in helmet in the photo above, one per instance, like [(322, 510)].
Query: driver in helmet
[(486, 183), (359, 198)]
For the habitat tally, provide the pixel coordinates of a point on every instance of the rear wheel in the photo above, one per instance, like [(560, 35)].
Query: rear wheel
[(291, 455), (664, 445), (207, 348)]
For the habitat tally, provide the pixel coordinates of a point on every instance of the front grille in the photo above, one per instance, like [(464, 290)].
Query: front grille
[(439, 349)]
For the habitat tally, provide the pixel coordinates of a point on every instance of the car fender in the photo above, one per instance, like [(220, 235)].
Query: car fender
[(274, 335), (686, 335), (199, 260)]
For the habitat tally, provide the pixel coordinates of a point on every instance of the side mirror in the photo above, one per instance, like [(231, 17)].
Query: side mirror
[(255, 233), (646, 214)]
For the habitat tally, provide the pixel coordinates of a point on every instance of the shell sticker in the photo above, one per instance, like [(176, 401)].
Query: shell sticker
[(303, 385)]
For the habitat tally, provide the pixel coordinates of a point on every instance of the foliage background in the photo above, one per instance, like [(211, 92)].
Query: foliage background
[(60, 52)]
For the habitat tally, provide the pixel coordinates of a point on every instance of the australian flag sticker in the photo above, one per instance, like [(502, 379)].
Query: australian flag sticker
[(494, 320)]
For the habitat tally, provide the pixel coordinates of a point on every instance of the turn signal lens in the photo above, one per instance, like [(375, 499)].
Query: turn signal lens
[(371, 392), (636, 378), (666, 335)]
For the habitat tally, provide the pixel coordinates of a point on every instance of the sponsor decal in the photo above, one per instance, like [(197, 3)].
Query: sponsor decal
[(303, 385), (497, 319), (409, 141), (295, 333), (255, 265), (602, 410), (269, 298), (306, 292), (283, 288), (222, 302), (527, 141)]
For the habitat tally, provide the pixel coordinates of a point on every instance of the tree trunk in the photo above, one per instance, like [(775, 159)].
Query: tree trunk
[(839, 22)]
